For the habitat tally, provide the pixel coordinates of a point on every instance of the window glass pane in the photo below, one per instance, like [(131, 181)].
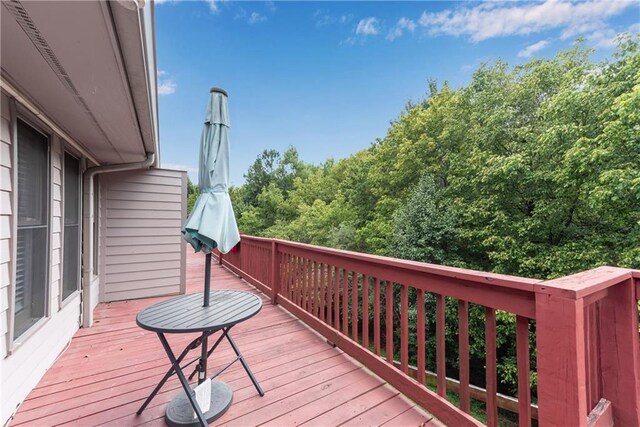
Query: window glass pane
[(71, 248), (32, 176), (33, 228), (71, 189), (70, 272)]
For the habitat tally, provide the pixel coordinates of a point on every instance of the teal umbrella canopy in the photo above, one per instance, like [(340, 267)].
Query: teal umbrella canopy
[(212, 222)]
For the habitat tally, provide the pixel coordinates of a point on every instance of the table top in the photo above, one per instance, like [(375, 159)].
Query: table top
[(186, 313)]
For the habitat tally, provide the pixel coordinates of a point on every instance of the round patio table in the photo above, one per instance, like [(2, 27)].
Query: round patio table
[(186, 314)]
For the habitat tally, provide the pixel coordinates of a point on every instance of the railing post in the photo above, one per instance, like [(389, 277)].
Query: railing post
[(562, 399), (275, 273), (620, 353)]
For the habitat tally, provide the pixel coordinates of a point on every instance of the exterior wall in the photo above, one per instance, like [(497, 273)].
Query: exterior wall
[(142, 253), (23, 364), (6, 223)]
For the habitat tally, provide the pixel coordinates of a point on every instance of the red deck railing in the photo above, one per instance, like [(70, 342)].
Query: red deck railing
[(587, 348)]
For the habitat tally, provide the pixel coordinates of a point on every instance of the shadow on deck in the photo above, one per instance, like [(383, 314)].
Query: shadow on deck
[(110, 368)]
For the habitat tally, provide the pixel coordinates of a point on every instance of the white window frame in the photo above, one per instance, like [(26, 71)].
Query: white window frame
[(17, 112)]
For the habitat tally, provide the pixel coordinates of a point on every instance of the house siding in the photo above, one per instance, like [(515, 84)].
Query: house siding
[(143, 254), (22, 366), (6, 221)]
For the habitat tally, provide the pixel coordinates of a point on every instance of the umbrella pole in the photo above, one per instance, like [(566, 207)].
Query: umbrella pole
[(207, 279), (202, 374)]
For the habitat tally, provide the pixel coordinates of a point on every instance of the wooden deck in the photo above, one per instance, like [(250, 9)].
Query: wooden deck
[(110, 368)]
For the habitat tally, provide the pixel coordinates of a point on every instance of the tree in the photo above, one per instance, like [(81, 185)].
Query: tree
[(424, 227), (193, 191)]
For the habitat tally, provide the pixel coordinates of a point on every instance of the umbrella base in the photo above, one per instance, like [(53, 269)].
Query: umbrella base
[(180, 413)]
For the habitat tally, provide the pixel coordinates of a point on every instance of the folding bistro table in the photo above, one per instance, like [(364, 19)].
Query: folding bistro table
[(186, 314)]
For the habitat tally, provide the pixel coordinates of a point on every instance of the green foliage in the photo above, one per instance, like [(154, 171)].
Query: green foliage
[(192, 194), (531, 170), (424, 227)]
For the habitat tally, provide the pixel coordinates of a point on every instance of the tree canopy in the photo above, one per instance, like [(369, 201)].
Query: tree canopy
[(530, 170)]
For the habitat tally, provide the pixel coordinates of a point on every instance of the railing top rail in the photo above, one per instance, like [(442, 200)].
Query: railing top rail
[(575, 286), (503, 280)]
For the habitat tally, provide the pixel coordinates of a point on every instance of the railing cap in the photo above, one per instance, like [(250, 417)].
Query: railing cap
[(585, 283)]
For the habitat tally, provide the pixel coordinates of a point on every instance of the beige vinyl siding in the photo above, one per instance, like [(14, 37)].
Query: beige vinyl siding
[(143, 253), (27, 362), (56, 223), (6, 220)]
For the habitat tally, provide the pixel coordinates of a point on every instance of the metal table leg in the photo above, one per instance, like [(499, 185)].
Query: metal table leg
[(245, 365), (185, 384), (168, 375)]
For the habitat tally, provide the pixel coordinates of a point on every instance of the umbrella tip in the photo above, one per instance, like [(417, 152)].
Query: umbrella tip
[(219, 90)]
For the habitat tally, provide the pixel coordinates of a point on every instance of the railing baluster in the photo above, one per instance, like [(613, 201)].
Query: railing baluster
[(290, 273), (284, 275), (314, 289), (389, 320), (365, 311), (440, 347), (321, 290), (288, 267), (598, 343), (300, 282), (376, 315), (336, 298), (588, 361), (307, 285), (404, 328), (463, 354), (421, 338), (296, 278), (345, 302), (311, 287), (491, 372), (354, 306), (524, 386), (329, 286)]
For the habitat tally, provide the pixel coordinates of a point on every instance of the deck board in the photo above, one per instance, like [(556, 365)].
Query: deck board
[(110, 368)]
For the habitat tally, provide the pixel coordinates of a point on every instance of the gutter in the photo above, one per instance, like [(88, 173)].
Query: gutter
[(90, 292)]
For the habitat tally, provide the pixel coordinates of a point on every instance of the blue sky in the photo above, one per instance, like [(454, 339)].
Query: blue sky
[(328, 77)]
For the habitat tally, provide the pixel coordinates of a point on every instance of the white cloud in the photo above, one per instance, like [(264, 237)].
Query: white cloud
[(606, 38), (271, 6), (367, 27), (255, 17), (166, 86), (494, 19), (402, 25), (345, 18), (213, 6), (323, 19), (533, 48), (251, 18), (241, 14)]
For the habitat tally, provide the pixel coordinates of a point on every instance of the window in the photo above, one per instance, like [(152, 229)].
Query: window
[(71, 245), (32, 257)]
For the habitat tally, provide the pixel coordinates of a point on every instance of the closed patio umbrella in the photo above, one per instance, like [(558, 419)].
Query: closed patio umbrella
[(212, 223)]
